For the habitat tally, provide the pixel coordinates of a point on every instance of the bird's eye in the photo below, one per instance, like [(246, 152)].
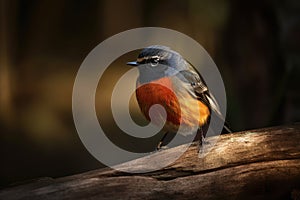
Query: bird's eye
[(154, 61)]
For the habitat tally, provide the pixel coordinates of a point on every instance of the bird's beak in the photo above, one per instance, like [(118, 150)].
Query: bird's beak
[(134, 63)]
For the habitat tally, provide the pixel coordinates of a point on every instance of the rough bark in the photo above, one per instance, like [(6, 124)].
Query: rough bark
[(256, 164)]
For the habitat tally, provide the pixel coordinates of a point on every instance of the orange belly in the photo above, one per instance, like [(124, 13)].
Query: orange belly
[(181, 109)]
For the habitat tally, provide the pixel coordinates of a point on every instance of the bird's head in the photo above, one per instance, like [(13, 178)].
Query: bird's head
[(157, 61)]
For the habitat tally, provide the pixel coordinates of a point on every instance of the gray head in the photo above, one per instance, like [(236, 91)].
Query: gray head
[(157, 61)]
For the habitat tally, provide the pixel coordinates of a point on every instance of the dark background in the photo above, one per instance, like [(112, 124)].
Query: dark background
[(255, 44)]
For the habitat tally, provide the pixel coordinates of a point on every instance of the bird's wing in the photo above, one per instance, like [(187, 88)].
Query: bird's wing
[(198, 89)]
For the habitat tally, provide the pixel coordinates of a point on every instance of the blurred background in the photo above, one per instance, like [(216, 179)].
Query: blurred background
[(255, 44)]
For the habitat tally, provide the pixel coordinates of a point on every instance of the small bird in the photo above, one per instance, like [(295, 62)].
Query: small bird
[(166, 78)]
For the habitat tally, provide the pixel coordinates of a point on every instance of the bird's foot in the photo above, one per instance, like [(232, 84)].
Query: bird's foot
[(202, 147), (161, 147)]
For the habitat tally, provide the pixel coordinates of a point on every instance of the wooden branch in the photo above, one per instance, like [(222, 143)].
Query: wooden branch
[(258, 164)]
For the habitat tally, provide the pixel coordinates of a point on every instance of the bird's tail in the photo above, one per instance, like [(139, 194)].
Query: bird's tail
[(226, 128), (218, 120)]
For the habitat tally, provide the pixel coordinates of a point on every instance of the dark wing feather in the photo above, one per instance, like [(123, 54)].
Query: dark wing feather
[(198, 89)]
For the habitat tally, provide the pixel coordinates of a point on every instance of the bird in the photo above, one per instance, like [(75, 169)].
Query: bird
[(166, 78)]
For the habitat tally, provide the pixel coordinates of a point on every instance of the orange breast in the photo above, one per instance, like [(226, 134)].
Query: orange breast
[(162, 92), (159, 92)]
